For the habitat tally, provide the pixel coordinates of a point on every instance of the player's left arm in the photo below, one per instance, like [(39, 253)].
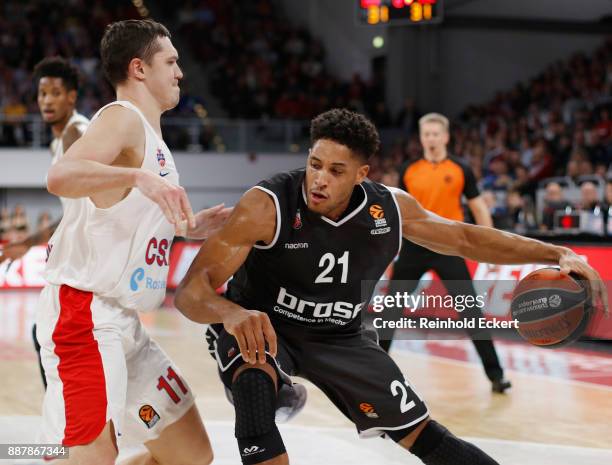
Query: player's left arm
[(488, 245)]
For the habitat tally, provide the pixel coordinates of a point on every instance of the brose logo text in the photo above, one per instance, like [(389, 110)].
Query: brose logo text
[(337, 309)]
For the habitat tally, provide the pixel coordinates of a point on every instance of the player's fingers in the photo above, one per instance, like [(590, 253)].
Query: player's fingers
[(181, 228), (166, 210), (226, 212), (603, 298), (174, 201), (261, 342), (186, 210), (597, 286), (565, 269), (242, 345), (216, 209), (251, 345), (270, 336)]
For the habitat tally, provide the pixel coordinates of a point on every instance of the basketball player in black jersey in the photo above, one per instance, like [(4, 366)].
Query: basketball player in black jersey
[(299, 246)]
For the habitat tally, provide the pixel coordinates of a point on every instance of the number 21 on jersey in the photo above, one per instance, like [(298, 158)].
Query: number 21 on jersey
[(328, 263)]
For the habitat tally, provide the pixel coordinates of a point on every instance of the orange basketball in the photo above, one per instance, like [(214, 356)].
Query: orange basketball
[(552, 309)]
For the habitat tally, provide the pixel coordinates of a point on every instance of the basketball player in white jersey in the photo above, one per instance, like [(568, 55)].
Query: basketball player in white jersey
[(108, 259), (57, 82)]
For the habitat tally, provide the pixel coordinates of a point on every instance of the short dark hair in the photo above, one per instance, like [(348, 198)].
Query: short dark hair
[(125, 40), (348, 128), (58, 67)]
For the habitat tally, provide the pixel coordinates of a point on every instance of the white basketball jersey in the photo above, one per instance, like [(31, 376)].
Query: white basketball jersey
[(57, 144), (120, 253)]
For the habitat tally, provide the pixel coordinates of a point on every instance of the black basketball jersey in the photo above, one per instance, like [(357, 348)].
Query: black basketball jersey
[(311, 273)]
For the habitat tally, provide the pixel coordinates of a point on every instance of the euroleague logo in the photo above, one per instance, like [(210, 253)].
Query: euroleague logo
[(377, 211), (368, 410), (378, 214), (554, 300), (148, 415)]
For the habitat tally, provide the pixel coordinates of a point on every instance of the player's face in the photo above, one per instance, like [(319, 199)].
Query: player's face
[(433, 137), (55, 102), (332, 172), (163, 75)]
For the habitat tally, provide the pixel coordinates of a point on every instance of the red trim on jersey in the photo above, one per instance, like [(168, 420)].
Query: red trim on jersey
[(80, 368)]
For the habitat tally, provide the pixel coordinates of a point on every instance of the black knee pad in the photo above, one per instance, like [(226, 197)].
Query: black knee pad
[(438, 446), (255, 405)]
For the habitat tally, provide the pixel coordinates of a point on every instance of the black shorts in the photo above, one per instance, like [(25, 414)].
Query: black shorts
[(360, 378)]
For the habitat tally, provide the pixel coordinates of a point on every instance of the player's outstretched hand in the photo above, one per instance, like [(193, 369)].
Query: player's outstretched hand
[(252, 330), (13, 251), (171, 199), (571, 262), (209, 220)]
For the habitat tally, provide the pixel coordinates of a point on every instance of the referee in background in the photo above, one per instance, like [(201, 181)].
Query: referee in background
[(438, 181)]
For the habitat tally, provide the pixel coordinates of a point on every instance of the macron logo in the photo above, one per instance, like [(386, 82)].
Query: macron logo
[(296, 245)]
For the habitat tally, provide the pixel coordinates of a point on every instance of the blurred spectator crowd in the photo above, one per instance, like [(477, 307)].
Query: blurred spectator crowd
[(552, 135), (30, 31), (263, 66)]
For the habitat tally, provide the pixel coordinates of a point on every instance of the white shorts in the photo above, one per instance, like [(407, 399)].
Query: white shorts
[(101, 365)]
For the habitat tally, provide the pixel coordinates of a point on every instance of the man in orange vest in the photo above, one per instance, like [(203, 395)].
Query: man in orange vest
[(438, 181)]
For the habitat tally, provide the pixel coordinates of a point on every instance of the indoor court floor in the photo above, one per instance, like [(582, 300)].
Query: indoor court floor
[(558, 412)]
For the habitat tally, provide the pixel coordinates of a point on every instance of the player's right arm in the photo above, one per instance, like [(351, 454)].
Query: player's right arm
[(253, 220), (108, 157), (488, 245)]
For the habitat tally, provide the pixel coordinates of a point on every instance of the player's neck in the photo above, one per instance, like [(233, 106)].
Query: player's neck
[(346, 207), (435, 157), (337, 213), (144, 102), (58, 128)]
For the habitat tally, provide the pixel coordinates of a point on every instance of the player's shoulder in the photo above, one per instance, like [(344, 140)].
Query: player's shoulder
[(380, 193), (123, 123), (77, 123), (255, 211), (116, 114), (255, 201)]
